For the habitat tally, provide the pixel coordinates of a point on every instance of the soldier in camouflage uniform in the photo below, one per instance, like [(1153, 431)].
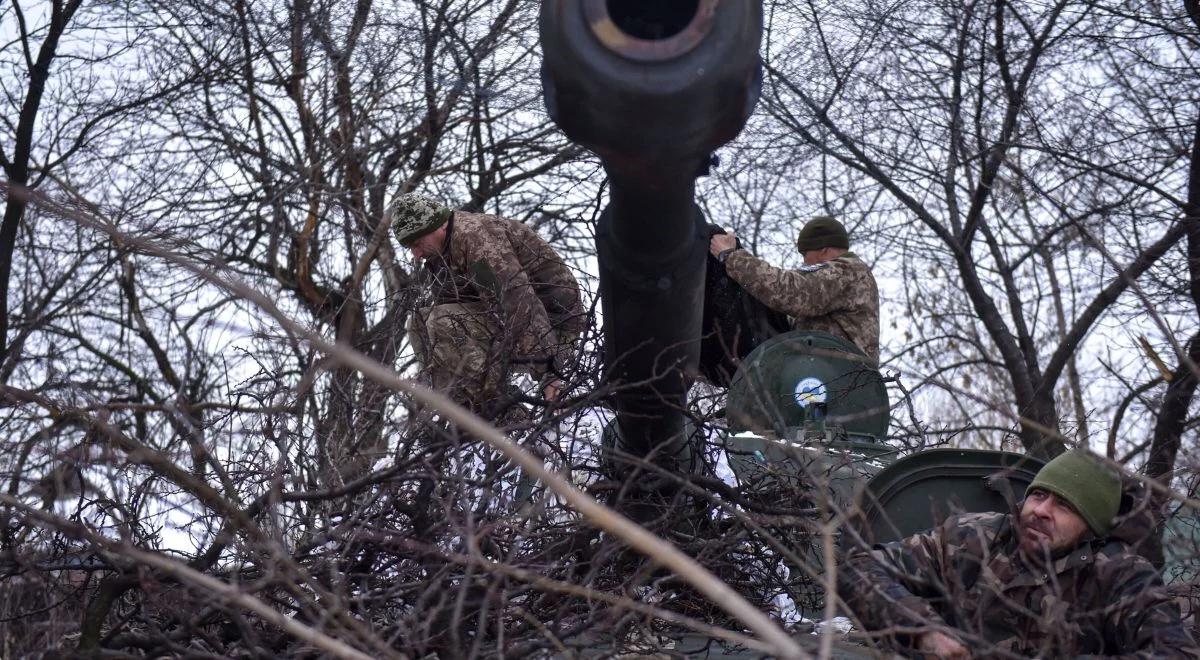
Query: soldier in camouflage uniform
[(502, 300), (833, 292), (1052, 581)]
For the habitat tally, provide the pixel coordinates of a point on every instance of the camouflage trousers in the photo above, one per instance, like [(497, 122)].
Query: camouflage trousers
[(465, 354)]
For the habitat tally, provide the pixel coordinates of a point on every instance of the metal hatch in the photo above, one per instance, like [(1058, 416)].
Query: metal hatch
[(919, 491)]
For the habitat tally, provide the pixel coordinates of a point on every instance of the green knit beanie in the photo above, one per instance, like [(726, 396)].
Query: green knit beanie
[(822, 232), (1090, 486), (413, 216)]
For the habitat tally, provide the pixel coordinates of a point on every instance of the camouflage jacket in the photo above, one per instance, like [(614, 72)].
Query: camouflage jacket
[(503, 262), (1100, 600), (839, 296)]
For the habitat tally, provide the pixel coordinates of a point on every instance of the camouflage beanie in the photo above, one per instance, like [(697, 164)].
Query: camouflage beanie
[(1087, 484), (822, 232), (412, 216)]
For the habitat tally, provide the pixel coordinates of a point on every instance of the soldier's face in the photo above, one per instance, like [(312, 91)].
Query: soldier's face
[(428, 245), (1049, 524)]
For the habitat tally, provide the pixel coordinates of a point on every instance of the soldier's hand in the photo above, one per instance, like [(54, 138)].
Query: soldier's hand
[(722, 242), (938, 645), (552, 390)]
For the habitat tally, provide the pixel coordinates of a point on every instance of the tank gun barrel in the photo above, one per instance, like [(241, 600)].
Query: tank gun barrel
[(652, 88)]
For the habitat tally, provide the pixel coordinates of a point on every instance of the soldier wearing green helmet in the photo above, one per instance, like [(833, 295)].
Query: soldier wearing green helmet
[(503, 301), (1053, 580), (833, 291)]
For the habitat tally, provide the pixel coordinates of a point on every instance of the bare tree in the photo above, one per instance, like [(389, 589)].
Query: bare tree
[(209, 450), (66, 103), (967, 118)]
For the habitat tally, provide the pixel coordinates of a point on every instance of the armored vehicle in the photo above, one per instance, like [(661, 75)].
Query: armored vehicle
[(653, 88)]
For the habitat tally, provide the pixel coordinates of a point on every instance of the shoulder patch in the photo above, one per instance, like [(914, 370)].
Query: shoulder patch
[(809, 268)]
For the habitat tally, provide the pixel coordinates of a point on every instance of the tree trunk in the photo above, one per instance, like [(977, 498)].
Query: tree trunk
[(1172, 416), (17, 169)]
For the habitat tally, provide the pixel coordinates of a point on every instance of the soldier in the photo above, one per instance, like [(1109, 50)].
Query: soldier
[(1055, 580), (834, 291), (502, 298)]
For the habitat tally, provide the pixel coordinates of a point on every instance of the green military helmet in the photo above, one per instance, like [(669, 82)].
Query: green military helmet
[(1091, 487), (412, 216), (821, 232)]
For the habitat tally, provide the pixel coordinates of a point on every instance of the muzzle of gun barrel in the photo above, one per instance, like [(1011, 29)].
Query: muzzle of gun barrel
[(641, 83)]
